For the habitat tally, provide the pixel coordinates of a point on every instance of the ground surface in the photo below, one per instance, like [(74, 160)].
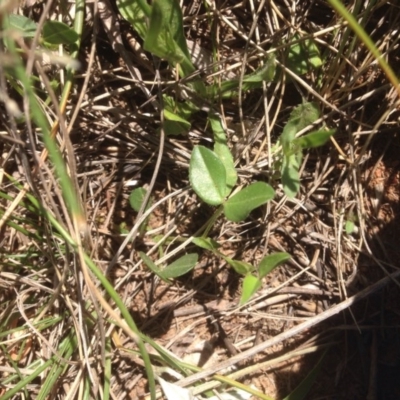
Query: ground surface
[(116, 139)]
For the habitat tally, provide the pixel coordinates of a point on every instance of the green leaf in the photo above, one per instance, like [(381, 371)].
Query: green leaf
[(222, 150), (240, 267), (239, 206), (184, 109), (55, 32), (135, 13), (165, 37), (302, 116), (264, 74), (217, 128), (181, 266), (270, 262), (252, 81), (175, 124), (177, 115), (207, 175), (314, 139), (153, 267), (250, 286), (136, 198), (25, 26), (224, 154), (290, 176), (123, 228), (303, 56), (206, 243), (349, 227)]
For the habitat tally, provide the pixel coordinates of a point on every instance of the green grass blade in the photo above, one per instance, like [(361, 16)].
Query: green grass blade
[(21, 384), (68, 190), (67, 347), (364, 37)]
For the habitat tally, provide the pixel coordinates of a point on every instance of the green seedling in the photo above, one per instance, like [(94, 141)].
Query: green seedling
[(177, 116), (255, 80), (303, 55), (54, 32), (253, 276), (180, 267), (136, 199), (350, 225), (213, 176), (222, 150), (292, 147), (23, 25), (161, 27), (165, 37), (208, 178)]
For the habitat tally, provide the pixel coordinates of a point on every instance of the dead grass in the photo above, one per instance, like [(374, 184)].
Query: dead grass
[(113, 119)]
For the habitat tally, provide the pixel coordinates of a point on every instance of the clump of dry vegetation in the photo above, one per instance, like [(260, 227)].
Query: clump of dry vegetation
[(104, 291)]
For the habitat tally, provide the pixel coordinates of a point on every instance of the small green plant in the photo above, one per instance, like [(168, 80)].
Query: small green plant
[(253, 275), (53, 33), (179, 267), (292, 147), (303, 55), (351, 223), (136, 199), (209, 178), (212, 173)]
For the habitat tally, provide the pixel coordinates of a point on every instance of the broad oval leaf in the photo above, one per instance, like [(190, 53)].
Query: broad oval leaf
[(136, 198), (250, 286), (24, 25), (165, 36), (239, 206), (207, 176), (270, 262), (181, 266), (55, 32)]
